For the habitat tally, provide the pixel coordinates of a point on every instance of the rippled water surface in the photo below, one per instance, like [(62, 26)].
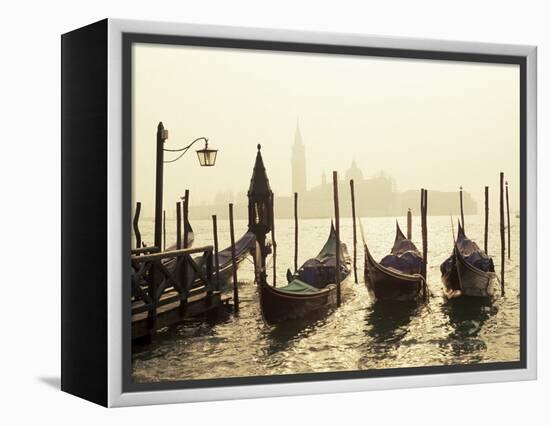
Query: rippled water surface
[(357, 336)]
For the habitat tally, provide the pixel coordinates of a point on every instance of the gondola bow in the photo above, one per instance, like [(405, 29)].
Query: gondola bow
[(468, 271), (398, 275)]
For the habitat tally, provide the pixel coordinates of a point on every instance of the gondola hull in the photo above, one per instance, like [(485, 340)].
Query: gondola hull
[(399, 279), (384, 284), (278, 306), (316, 292), (466, 280), (226, 273)]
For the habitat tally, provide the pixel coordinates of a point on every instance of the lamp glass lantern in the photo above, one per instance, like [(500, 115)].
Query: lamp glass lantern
[(207, 156)]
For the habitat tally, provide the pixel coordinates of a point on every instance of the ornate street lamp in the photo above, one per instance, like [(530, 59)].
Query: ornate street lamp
[(260, 210), (207, 158)]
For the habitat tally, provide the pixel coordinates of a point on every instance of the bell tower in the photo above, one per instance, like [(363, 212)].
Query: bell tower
[(299, 184)]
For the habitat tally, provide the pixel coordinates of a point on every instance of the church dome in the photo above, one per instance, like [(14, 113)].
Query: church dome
[(354, 173)]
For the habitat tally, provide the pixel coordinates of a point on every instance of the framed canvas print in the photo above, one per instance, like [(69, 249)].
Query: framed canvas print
[(251, 212)]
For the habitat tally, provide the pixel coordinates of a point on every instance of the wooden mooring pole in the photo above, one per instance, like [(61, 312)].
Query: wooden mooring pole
[(486, 233), (502, 239), (508, 219), (352, 190), (424, 225), (409, 224), (186, 220), (162, 135), (178, 225), (462, 210), (216, 248), (136, 225), (164, 230), (337, 226), (295, 232), (234, 259), (185, 242), (273, 242)]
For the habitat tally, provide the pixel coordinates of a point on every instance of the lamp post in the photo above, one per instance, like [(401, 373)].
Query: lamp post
[(260, 213), (206, 156)]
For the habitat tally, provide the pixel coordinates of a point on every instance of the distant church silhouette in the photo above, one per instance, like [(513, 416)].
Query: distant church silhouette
[(375, 195)]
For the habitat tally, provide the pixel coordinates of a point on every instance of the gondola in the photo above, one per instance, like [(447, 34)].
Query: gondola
[(190, 239), (243, 247), (397, 276), (468, 271), (300, 298)]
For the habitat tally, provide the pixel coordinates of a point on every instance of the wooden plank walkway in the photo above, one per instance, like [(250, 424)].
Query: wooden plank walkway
[(176, 312)]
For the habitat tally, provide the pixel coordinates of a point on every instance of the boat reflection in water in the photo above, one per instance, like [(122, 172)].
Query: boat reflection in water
[(467, 315), (282, 336), (389, 321)]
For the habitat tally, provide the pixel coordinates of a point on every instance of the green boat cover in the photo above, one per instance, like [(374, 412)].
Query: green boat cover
[(297, 286)]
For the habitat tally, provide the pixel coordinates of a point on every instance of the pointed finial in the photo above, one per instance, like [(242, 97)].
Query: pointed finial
[(259, 147), (161, 126), (506, 183)]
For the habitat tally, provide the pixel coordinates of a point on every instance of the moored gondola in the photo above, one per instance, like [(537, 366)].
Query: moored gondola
[(190, 238), (468, 271), (397, 276), (311, 290), (244, 246)]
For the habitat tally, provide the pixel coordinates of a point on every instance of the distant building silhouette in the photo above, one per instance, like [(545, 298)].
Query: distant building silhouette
[(375, 195), (354, 173), (299, 183)]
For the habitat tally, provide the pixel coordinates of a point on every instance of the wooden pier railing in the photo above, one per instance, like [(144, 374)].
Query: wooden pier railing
[(170, 286)]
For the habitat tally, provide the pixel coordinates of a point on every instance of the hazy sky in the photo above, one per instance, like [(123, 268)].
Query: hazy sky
[(433, 124)]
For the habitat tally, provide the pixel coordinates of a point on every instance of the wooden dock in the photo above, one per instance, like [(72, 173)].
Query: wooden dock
[(171, 286)]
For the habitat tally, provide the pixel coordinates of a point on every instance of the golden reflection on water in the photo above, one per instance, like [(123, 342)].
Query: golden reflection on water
[(360, 334)]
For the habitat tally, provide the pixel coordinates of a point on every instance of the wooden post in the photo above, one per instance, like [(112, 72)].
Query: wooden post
[(273, 242), (295, 232), (162, 135), (163, 230), (486, 233), (424, 224), (186, 219), (462, 211), (178, 225), (216, 248), (502, 242), (209, 274), (233, 259), (136, 225), (185, 266), (409, 224), (352, 189), (337, 226), (508, 218)]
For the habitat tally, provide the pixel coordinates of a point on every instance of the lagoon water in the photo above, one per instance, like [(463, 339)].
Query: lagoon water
[(359, 335)]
